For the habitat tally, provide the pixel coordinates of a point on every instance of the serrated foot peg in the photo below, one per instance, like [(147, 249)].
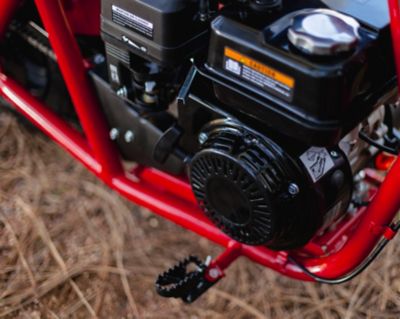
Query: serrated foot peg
[(188, 280)]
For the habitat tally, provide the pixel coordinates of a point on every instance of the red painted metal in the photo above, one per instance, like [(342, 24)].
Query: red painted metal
[(166, 182), (83, 16), (168, 196), (384, 161), (82, 93), (49, 123), (7, 10), (379, 213), (215, 270), (232, 252), (394, 10)]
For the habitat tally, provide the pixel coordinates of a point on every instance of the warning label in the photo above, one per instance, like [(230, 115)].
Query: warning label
[(317, 162), (132, 21), (259, 74)]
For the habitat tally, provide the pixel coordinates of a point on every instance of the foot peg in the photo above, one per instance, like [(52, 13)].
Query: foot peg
[(188, 280)]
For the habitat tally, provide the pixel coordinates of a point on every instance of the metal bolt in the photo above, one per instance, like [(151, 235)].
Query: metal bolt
[(334, 154), (293, 189), (203, 137), (129, 136), (114, 134), (214, 273), (99, 58), (122, 92), (150, 86)]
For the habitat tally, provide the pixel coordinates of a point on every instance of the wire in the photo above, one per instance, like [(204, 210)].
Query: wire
[(379, 146), (378, 249), (388, 120), (360, 203)]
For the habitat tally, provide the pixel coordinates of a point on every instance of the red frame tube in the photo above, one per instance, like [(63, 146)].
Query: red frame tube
[(83, 16), (80, 89), (394, 10), (168, 196), (7, 10)]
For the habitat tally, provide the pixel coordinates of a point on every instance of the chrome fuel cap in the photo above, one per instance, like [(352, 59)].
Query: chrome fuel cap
[(324, 32)]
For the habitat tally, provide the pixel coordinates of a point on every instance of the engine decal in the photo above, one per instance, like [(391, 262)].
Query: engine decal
[(317, 162), (132, 21), (259, 74), (114, 74)]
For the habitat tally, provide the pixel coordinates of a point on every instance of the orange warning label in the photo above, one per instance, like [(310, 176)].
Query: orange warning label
[(258, 73)]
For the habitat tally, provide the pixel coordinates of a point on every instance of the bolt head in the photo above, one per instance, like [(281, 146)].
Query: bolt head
[(150, 86), (129, 136), (334, 154), (122, 92), (99, 58), (214, 273), (203, 137), (293, 189), (114, 134)]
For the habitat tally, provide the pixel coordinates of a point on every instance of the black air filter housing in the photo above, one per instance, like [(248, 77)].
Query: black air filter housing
[(158, 30)]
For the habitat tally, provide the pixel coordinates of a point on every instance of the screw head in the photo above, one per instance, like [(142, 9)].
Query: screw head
[(334, 154), (150, 86), (129, 136), (114, 134), (293, 189), (214, 273), (122, 92), (99, 58), (203, 137)]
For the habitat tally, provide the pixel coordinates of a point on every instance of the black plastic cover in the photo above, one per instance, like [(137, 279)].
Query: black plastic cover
[(315, 100), (372, 13), (162, 31), (124, 116)]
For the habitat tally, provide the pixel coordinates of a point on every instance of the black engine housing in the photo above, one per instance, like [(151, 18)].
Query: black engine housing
[(313, 99), (259, 194), (260, 137)]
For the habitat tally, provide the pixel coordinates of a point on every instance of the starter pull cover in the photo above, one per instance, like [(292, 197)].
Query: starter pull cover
[(324, 32)]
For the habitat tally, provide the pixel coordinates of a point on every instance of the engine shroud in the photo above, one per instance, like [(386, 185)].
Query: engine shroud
[(256, 192), (260, 101), (256, 69)]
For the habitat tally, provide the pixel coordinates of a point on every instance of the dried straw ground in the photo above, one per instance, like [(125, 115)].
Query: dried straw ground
[(71, 248)]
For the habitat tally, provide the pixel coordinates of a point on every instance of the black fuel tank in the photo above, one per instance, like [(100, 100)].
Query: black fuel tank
[(315, 99), (371, 13)]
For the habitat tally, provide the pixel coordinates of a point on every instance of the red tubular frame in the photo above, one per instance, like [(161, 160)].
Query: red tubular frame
[(168, 196), (394, 10)]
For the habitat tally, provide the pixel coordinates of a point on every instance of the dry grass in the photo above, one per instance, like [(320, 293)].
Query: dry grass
[(71, 248)]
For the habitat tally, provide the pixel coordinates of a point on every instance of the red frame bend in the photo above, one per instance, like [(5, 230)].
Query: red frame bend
[(168, 196)]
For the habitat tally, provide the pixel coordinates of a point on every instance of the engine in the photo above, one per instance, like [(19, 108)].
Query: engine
[(259, 102)]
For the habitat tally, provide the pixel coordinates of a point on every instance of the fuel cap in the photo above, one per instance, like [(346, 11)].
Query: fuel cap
[(265, 5), (324, 32)]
